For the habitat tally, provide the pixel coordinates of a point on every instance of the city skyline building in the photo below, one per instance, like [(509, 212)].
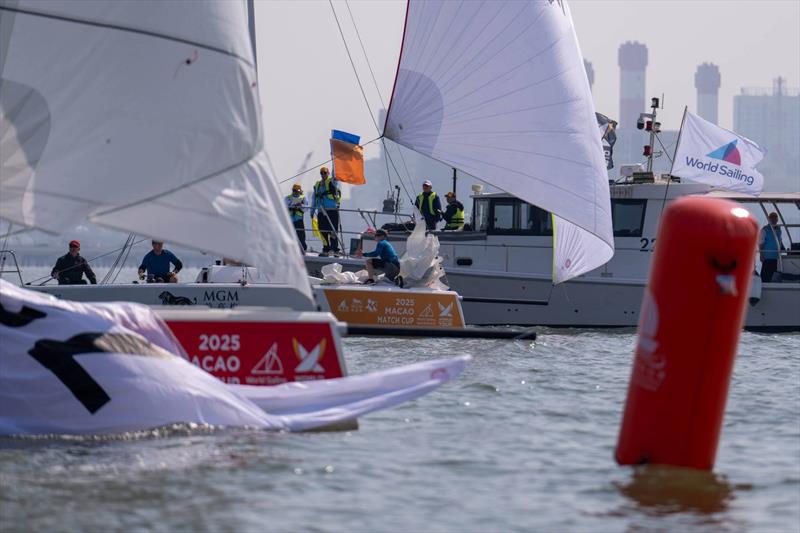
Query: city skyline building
[(707, 81)]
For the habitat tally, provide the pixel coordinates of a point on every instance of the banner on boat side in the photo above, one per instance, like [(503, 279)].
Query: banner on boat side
[(718, 157), (261, 353), (348, 158), (396, 309)]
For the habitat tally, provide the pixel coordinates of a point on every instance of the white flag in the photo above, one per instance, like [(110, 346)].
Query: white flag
[(709, 154)]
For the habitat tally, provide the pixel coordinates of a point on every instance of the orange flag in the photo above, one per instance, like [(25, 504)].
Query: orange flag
[(348, 162)]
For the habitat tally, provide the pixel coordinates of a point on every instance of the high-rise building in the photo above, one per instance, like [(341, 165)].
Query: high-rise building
[(771, 117), (707, 81), (632, 67)]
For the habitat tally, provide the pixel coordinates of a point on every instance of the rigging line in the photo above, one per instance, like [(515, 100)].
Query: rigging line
[(364, 51), (666, 153), (400, 177), (403, 160), (309, 169), (355, 72), (87, 260), (119, 27)]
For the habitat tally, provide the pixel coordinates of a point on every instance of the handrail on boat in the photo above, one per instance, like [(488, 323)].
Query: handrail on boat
[(3, 254)]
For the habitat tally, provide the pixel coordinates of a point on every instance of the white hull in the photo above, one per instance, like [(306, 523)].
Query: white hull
[(494, 298), (214, 295)]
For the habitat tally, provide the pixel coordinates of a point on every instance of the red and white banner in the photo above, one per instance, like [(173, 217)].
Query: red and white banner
[(261, 352)]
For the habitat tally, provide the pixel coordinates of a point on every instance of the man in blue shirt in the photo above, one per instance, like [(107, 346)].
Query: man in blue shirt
[(770, 243), (383, 259), (156, 264)]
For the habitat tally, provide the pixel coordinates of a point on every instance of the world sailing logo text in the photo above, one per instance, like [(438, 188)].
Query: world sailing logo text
[(727, 153)]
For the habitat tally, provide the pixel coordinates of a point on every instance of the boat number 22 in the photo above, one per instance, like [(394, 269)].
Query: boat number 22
[(648, 245)]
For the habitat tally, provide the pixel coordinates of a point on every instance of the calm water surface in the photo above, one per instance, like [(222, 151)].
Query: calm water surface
[(522, 441)]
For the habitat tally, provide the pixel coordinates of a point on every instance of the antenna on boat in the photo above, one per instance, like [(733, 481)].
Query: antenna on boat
[(647, 122), (455, 179)]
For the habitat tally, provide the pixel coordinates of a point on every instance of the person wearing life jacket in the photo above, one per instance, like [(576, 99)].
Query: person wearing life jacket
[(297, 203), (71, 267), (454, 214), (326, 199), (770, 243), (429, 205)]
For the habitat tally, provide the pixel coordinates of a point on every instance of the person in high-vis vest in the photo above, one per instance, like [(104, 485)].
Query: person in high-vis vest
[(454, 214), (429, 205), (770, 244), (297, 203), (325, 202)]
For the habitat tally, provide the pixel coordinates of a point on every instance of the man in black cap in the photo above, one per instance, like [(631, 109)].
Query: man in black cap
[(71, 267), (382, 259), (429, 205)]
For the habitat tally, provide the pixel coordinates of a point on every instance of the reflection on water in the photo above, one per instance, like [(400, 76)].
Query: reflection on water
[(662, 490)]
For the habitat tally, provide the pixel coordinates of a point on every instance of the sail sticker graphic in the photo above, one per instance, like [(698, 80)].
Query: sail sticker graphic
[(728, 153), (309, 359), (445, 310), (427, 312), (270, 363)]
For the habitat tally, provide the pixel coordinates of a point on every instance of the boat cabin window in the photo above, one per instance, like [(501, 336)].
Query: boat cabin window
[(510, 216), (480, 219), (627, 217)]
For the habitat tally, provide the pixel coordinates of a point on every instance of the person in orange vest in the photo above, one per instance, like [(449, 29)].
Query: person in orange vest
[(429, 205)]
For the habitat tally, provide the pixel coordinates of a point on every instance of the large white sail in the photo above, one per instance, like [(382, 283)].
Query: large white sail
[(142, 116), (498, 90)]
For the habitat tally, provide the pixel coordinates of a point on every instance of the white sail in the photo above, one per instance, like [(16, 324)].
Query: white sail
[(498, 90), (142, 116)]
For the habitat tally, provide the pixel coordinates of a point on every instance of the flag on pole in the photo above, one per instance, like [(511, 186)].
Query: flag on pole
[(608, 136), (348, 158), (709, 154)]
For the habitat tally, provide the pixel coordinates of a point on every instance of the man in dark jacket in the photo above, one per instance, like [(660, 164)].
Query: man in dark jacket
[(71, 267), (429, 205)]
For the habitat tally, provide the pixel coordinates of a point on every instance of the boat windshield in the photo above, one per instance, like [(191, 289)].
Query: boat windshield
[(788, 218)]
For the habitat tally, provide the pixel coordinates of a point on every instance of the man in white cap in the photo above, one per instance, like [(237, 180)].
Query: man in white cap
[(429, 205)]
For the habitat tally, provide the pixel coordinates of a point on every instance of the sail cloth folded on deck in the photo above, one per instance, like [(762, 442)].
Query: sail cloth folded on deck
[(77, 368), (499, 91), (348, 158)]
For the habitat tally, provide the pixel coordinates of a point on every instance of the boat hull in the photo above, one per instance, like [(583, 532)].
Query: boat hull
[(494, 298)]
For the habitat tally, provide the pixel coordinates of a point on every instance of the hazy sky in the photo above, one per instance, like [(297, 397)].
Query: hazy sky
[(308, 86)]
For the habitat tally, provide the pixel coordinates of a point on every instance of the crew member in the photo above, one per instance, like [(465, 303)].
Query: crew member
[(71, 267), (770, 243), (429, 205), (326, 199), (383, 259), (156, 263), (297, 202), (454, 214)]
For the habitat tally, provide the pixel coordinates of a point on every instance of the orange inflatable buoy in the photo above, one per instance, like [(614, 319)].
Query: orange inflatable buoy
[(692, 313)]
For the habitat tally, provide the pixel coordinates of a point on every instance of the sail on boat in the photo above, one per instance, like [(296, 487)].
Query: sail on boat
[(499, 91), (144, 117)]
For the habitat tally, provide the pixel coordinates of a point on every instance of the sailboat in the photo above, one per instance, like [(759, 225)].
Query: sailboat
[(144, 117), (499, 91)]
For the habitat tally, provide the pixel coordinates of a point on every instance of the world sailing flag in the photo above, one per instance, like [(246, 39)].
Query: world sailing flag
[(709, 154)]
